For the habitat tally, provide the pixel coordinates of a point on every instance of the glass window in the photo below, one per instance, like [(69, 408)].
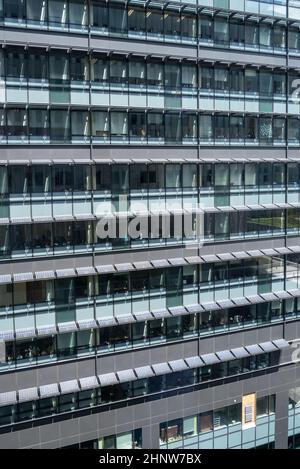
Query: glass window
[(221, 30), (206, 422), (60, 125), (189, 176), (42, 236), (188, 26), (173, 176), (60, 67), (137, 72), (99, 15), (101, 125), (78, 14), (17, 126), (136, 20), (265, 35), (293, 130), (62, 178), (119, 125), (36, 12), (124, 440), (99, 69), (58, 13), (67, 402), (19, 179), (172, 76), (171, 24), (155, 127), (251, 81), (190, 426), (221, 418), (37, 65), (251, 34), (118, 19), (80, 125), (189, 127), (206, 28), (15, 10), (154, 22), (173, 128), (137, 126), (189, 76), (79, 67), (221, 79), (39, 125)]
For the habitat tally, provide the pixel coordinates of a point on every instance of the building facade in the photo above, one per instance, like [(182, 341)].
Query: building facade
[(149, 116)]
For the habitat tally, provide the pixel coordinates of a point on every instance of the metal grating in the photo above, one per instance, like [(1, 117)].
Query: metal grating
[(240, 352), (124, 267), (210, 358), (89, 382), (126, 376), (160, 313), (23, 277), (125, 319), (254, 349), (225, 356), (194, 362), (87, 324), (63, 273), (108, 379), (45, 274), (144, 372), (197, 308), (29, 394), (177, 261), (8, 398), (49, 390), (105, 269), (177, 310), (67, 326), (211, 306), (84, 271), (46, 330), (281, 343), (143, 316), (161, 368), (24, 333), (268, 347), (69, 386), (178, 365), (160, 263)]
